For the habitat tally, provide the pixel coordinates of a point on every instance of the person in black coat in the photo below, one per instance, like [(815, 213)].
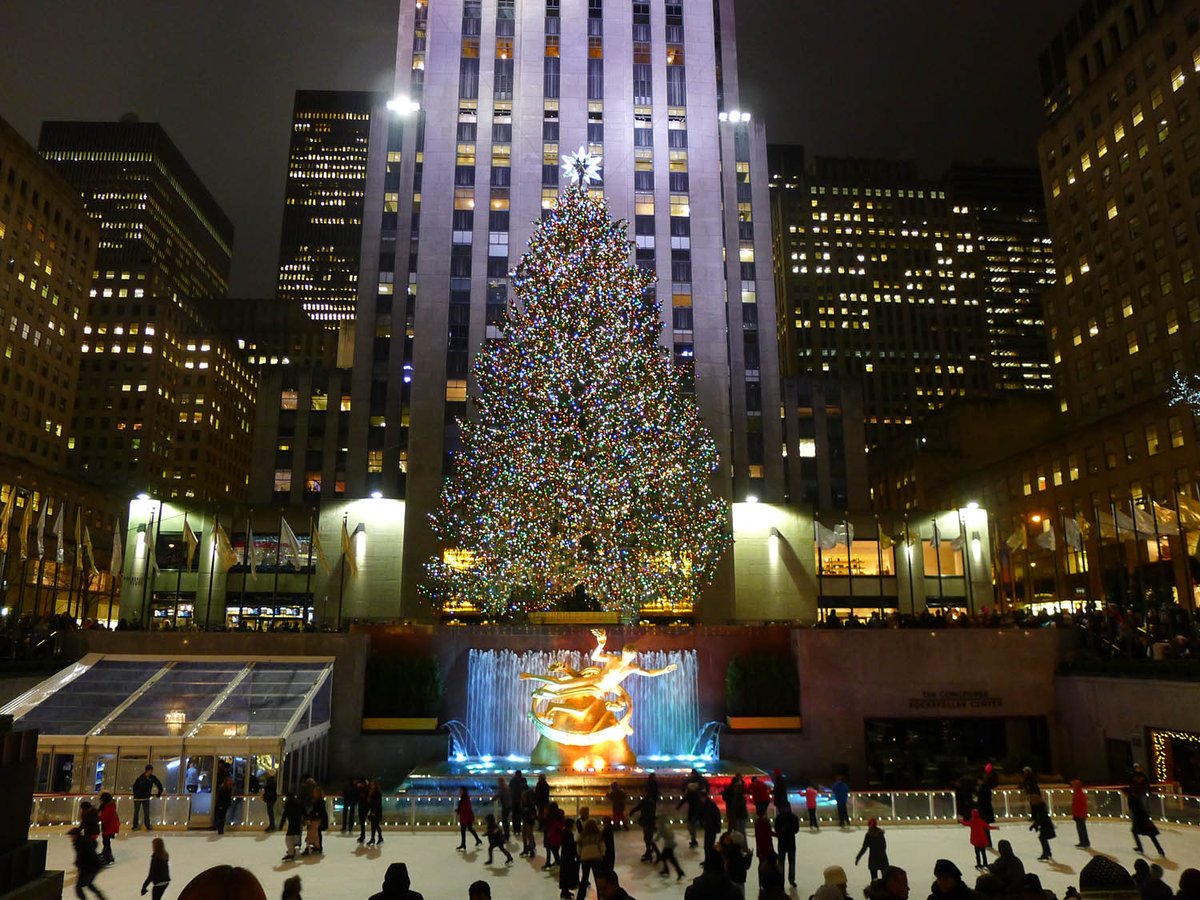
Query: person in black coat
[(710, 820), (713, 883), (396, 885), (293, 823), (86, 861), (223, 803), (270, 795), (568, 862)]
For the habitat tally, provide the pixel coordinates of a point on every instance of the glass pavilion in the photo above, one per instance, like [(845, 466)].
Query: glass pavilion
[(196, 719)]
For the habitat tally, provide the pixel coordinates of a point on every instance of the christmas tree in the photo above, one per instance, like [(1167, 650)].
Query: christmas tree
[(585, 467)]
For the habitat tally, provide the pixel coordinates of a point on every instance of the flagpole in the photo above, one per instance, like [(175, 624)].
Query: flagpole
[(112, 591), (77, 565), (1068, 552), (146, 573), (308, 598), (1187, 557), (342, 577), (37, 593), (246, 560), (849, 559), (1054, 557), (58, 552), (965, 550), (278, 552), (1157, 543), (1028, 585), (879, 561), (937, 555), (179, 572), (212, 568), (908, 555), (1137, 548), (820, 569)]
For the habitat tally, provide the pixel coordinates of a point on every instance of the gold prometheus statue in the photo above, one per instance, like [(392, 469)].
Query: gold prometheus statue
[(583, 717)]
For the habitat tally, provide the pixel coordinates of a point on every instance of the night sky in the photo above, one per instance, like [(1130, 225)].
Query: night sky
[(933, 80)]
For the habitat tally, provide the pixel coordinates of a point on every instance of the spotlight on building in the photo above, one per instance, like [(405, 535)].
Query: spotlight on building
[(376, 495), (143, 496), (972, 505), (403, 105), (751, 498)]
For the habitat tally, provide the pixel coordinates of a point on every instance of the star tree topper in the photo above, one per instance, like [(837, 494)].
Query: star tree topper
[(581, 166)]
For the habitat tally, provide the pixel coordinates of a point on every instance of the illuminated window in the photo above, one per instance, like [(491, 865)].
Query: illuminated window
[(1152, 445), (283, 481), (945, 559), (863, 557), (287, 400)]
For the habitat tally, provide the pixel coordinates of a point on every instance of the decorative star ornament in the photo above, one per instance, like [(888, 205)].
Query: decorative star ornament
[(581, 166)]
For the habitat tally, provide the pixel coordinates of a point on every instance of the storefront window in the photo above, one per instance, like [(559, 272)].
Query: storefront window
[(944, 561), (864, 557)]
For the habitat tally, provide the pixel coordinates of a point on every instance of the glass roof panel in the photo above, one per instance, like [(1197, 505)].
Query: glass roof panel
[(83, 703), (175, 700)]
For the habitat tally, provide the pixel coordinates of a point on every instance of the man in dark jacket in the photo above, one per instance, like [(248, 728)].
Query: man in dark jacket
[(142, 786), (270, 795), (948, 883), (713, 883), (608, 887), (293, 823), (396, 885), (86, 861), (349, 804), (893, 885), (710, 821)]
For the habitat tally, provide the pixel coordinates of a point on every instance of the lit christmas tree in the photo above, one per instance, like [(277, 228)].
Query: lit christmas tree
[(585, 467)]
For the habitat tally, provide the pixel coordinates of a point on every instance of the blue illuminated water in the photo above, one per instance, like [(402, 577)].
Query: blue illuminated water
[(666, 709)]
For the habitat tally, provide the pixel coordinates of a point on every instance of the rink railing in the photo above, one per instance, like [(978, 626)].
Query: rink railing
[(412, 812)]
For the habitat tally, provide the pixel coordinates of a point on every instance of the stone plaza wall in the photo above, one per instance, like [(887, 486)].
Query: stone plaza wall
[(1094, 711)]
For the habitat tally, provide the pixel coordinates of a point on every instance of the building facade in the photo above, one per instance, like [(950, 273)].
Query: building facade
[(324, 197), (1014, 267), (881, 285), (163, 404), (489, 96)]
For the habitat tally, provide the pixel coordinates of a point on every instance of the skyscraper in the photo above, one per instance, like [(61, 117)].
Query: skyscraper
[(323, 201), (489, 95), (879, 275), (1014, 262), (162, 402), (47, 251)]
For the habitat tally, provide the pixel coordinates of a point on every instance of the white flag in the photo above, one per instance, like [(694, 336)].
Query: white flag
[(291, 543), (827, 538), (937, 537), (57, 529), (91, 554), (251, 556), (1072, 533), (116, 564), (1046, 540), (41, 529)]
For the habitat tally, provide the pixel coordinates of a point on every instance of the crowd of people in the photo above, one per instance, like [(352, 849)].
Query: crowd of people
[(753, 828), (1158, 633)]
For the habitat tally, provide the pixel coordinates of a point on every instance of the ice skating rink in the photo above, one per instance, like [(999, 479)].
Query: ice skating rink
[(440, 872)]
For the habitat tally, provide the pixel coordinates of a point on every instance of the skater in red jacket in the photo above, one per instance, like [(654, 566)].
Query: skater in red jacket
[(979, 837), (110, 825), (1079, 812)]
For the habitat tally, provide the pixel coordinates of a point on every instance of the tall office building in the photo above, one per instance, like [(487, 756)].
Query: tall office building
[(47, 251), (1014, 266), (489, 95), (163, 403), (323, 201), (878, 285)]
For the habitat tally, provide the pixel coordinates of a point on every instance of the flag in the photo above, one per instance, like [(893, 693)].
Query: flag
[(153, 550), (320, 551), (936, 542), (189, 538), (41, 529), (1144, 521), (91, 554), (226, 558), (78, 538), (6, 519), (1168, 522), (827, 538), (288, 539), (1072, 533), (116, 564), (348, 551), (251, 556), (886, 541), (26, 522), (957, 544), (1124, 523), (1017, 540), (1189, 511), (1046, 540), (57, 529)]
